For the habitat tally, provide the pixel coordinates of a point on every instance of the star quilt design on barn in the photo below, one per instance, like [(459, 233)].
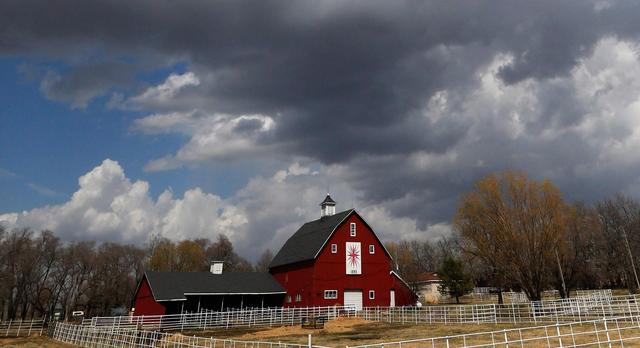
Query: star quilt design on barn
[(354, 255)]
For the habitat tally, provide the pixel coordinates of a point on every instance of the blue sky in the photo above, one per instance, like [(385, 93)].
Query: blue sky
[(190, 119), (46, 145)]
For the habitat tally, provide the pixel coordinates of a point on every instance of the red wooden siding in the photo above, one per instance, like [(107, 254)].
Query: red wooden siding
[(145, 303), (296, 279), (330, 273), (404, 295)]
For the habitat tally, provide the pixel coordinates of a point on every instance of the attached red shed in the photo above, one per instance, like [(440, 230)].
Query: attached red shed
[(178, 292), (338, 259)]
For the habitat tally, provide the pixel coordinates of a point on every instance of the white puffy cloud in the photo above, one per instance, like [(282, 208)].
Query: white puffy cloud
[(213, 137), (108, 206), (164, 93)]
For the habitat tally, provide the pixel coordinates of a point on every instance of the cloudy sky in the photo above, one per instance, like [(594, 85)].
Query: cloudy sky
[(123, 120)]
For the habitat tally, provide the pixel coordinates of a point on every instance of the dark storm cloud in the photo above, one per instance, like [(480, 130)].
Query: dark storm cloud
[(86, 82), (347, 82)]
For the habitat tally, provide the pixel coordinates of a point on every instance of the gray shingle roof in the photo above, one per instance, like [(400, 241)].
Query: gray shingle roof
[(307, 241), (174, 285)]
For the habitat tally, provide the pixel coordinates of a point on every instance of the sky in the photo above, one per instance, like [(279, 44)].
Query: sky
[(122, 121)]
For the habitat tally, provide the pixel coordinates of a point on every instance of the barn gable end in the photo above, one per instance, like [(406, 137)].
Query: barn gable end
[(335, 260)]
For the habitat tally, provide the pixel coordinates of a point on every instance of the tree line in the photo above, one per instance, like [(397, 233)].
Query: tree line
[(40, 275), (514, 233)]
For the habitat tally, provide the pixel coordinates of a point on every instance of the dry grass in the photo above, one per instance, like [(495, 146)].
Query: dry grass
[(352, 331), (355, 331), (33, 342)]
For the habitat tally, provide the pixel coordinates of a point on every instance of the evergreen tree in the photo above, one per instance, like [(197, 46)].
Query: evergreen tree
[(455, 281)]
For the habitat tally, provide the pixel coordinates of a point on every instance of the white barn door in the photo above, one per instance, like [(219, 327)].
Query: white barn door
[(392, 302), (353, 298)]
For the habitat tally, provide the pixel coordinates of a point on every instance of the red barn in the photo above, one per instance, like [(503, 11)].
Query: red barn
[(335, 260), (338, 259)]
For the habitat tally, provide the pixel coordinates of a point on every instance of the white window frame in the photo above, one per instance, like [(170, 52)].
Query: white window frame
[(372, 294), (372, 249), (334, 248), (331, 294), (352, 229), (298, 298), (288, 298)]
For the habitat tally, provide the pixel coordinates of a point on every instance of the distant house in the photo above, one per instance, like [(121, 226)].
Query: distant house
[(335, 260), (426, 286), (338, 260)]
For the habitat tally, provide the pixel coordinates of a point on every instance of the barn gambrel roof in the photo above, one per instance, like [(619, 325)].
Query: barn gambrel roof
[(308, 241), (175, 286)]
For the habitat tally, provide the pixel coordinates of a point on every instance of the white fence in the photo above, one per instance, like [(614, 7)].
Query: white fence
[(21, 327), (594, 306), (489, 294), (556, 311), (267, 317), (604, 332), (112, 337), (592, 293)]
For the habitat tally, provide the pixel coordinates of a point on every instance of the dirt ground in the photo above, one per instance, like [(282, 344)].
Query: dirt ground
[(355, 331), (32, 342), (351, 331)]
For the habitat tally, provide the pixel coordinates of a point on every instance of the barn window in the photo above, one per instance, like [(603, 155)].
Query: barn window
[(334, 248), (330, 294), (288, 298), (352, 229), (298, 298), (372, 249), (372, 294)]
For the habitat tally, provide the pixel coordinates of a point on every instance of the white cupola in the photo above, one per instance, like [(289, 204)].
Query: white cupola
[(328, 206)]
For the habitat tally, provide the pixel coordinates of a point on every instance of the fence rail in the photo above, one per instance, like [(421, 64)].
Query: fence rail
[(267, 317), (112, 337), (594, 306), (15, 328), (489, 294), (603, 332), (556, 311)]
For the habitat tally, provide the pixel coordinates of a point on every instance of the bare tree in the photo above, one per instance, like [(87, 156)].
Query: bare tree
[(264, 261), (578, 251), (620, 222), (222, 250), (189, 257), (162, 255), (517, 224)]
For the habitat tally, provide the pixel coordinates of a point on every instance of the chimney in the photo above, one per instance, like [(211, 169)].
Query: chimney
[(216, 267), (328, 206)]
